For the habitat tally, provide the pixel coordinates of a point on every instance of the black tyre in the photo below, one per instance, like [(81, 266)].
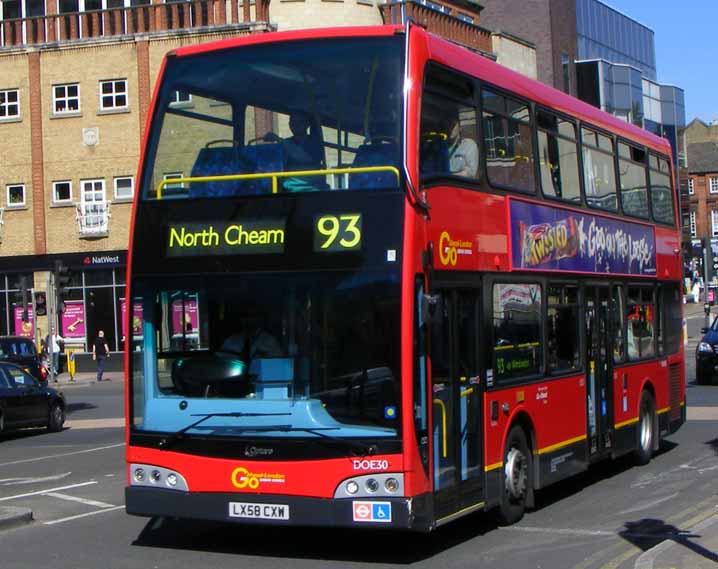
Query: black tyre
[(2, 422), (702, 378), (56, 419), (647, 429), (516, 479)]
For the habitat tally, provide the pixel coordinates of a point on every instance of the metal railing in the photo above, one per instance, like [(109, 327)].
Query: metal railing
[(167, 16), (274, 176), (93, 219)]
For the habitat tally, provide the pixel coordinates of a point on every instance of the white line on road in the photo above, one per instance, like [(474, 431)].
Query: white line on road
[(648, 505), (26, 460), (47, 491), (80, 500), (560, 531), (30, 480), (53, 522)]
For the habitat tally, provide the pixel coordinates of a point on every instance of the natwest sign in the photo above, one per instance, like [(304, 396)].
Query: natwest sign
[(94, 260)]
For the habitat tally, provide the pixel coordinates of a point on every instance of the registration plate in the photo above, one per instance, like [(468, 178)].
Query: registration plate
[(258, 511)]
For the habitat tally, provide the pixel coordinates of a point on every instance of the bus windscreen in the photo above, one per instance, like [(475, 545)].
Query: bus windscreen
[(276, 118)]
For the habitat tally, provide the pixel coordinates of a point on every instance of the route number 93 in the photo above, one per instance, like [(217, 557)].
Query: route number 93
[(337, 232)]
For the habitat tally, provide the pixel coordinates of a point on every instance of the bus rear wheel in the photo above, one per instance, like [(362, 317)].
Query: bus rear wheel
[(516, 477), (647, 431)]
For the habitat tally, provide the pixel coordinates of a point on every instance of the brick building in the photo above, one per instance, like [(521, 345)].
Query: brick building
[(700, 201), (76, 77)]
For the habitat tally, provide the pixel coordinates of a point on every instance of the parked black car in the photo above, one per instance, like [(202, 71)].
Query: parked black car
[(22, 351), (707, 355), (27, 402)]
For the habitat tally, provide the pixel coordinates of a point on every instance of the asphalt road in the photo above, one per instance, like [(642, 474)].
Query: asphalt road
[(604, 519)]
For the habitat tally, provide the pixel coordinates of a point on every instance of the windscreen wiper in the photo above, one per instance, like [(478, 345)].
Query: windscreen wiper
[(359, 448), (169, 441)]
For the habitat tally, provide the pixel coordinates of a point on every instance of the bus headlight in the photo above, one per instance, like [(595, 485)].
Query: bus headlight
[(157, 477), (352, 487), (391, 484), (371, 485)]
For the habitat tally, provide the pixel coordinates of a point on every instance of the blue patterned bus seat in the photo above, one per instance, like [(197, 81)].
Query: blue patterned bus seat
[(375, 154)]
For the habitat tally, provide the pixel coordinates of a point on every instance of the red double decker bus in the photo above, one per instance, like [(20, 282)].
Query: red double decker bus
[(377, 279)]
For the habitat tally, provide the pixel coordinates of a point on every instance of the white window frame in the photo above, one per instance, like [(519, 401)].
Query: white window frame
[(179, 102), (6, 106), (132, 187), (691, 188), (113, 95), (8, 187), (713, 181), (714, 223), (692, 224), (65, 98), (98, 187), (172, 176), (55, 199)]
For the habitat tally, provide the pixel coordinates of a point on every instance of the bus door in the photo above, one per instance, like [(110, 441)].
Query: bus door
[(599, 401), (456, 392)]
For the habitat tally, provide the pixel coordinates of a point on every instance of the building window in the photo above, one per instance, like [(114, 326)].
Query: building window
[(714, 223), (181, 98), (179, 187), (62, 191), (465, 18), (692, 222), (691, 189), (566, 71), (113, 95), (93, 211), (9, 104), (435, 6), (15, 195), (124, 188), (713, 186), (66, 99)]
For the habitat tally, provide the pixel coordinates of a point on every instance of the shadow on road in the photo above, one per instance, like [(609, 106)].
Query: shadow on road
[(73, 407), (358, 545), (648, 533)]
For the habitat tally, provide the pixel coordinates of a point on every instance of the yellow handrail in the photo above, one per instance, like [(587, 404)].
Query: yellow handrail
[(275, 176), (440, 403)]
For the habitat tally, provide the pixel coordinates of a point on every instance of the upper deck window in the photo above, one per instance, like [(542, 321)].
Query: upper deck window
[(634, 185), (558, 157), (279, 117), (661, 191), (598, 170), (507, 141)]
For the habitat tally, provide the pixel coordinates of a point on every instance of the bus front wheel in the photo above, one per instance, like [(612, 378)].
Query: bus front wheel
[(647, 431), (516, 477)]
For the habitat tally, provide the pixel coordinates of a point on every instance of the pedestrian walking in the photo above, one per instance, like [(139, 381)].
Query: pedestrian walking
[(100, 352), (55, 343)]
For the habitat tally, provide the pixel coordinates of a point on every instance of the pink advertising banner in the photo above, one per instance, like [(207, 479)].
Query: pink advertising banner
[(137, 313), (26, 329), (185, 317), (73, 320)]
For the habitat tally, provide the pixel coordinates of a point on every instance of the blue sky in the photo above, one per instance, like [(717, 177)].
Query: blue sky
[(686, 53)]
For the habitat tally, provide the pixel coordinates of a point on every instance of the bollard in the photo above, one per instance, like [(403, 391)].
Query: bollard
[(707, 310), (71, 364)]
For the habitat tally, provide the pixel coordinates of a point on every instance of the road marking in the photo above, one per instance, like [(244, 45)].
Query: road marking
[(110, 423), (560, 531), (702, 413), (85, 501), (29, 480), (41, 492), (648, 505), (39, 458), (71, 518)]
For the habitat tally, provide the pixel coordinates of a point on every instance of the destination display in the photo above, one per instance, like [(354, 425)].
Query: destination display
[(332, 233), (244, 237), (547, 238)]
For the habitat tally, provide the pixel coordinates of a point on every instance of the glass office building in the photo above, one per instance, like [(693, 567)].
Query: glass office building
[(616, 71)]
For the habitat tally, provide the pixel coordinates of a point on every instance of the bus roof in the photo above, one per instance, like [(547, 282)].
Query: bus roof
[(455, 56)]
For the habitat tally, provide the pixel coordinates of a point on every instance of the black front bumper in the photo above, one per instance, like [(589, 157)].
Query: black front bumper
[(302, 511), (706, 367)]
